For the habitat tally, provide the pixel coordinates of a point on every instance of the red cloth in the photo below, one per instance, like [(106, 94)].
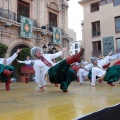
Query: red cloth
[(75, 68), (106, 66), (27, 68), (117, 63), (46, 62)]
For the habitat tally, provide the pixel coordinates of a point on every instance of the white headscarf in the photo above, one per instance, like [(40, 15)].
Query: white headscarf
[(33, 51)]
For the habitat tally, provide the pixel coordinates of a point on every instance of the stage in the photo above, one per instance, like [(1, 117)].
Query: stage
[(23, 103)]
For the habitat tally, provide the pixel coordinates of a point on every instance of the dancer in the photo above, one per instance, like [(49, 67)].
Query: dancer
[(112, 74), (28, 66), (27, 62), (85, 70), (61, 73), (6, 70)]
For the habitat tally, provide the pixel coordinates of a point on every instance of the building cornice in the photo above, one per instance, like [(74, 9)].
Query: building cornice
[(82, 2)]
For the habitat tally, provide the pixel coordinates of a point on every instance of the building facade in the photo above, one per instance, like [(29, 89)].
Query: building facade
[(74, 47), (28, 23), (100, 27)]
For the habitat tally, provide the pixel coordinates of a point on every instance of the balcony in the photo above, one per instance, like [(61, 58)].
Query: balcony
[(16, 17), (33, 21), (13, 16), (7, 14)]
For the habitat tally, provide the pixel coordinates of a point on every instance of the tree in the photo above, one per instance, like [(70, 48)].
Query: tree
[(24, 53), (3, 50)]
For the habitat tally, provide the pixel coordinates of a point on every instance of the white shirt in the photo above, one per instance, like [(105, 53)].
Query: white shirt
[(26, 62), (8, 60), (41, 69)]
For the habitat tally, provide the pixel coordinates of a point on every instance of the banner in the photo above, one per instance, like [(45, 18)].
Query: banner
[(26, 27), (56, 35)]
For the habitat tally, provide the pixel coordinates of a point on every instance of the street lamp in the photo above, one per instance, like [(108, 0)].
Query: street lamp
[(54, 50), (44, 48), (51, 49), (49, 45)]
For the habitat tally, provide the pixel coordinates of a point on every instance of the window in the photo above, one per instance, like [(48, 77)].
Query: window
[(95, 6), (23, 9), (76, 51), (118, 44), (96, 48), (96, 28), (52, 21), (117, 24), (116, 2), (76, 45)]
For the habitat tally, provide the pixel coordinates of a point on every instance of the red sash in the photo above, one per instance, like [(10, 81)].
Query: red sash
[(46, 62)]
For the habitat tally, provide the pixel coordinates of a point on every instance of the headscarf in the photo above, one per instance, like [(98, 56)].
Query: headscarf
[(93, 59), (33, 51)]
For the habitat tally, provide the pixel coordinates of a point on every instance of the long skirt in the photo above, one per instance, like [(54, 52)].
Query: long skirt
[(113, 74), (3, 78), (62, 74)]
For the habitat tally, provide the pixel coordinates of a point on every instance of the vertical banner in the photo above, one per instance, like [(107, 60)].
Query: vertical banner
[(108, 45), (26, 27), (56, 35)]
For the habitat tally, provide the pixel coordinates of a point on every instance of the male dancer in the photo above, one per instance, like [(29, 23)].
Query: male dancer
[(61, 73), (6, 70), (112, 74)]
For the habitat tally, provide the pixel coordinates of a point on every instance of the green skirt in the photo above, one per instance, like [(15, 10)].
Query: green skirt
[(113, 74), (3, 78), (90, 75), (62, 74)]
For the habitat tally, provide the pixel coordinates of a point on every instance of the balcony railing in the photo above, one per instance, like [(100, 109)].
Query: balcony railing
[(7, 14), (16, 17), (33, 21), (13, 16)]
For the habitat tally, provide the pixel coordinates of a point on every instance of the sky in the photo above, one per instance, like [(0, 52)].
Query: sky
[(75, 15)]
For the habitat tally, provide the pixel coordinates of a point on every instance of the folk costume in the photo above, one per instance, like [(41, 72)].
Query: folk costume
[(61, 73), (6, 70), (83, 72), (112, 74), (27, 67), (86, 73)]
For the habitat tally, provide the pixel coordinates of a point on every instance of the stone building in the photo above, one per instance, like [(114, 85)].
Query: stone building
[(42, 15), (28, 23), (101, 27)]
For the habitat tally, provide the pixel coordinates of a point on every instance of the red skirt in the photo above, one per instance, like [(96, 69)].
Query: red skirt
[(27, 69)]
